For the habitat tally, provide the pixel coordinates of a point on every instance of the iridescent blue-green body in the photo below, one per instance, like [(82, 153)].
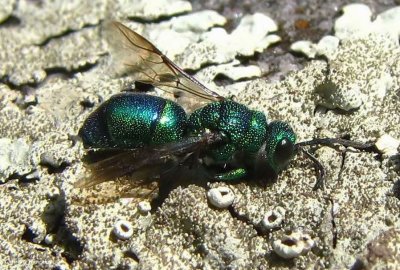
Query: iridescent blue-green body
[(249, 142), (243, 129), (132, 120), (247, 132)]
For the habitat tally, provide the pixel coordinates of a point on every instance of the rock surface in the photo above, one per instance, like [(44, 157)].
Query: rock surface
[(55, 69)]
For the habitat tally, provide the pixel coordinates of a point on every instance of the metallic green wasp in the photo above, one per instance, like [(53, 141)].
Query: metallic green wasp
[(150, 136)]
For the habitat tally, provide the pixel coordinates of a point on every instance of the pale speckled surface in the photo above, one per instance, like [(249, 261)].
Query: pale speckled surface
[(55, 59), (6, 8)]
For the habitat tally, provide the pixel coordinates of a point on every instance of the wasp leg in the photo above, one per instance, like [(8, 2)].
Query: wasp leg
[(320, 170), (330, 142), (231, 175)]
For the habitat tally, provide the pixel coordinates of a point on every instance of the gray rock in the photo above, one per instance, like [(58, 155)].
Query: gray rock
[(382, 252), (14, 158), (59, 52), (150, 10), (6, 8)]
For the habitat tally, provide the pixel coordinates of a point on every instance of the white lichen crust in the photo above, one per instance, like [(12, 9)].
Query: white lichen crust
[(221, 197), (151, 10), (55, 71), (144, 207), (14, 157), (293, 245), (355, 25), (6, 8), (387, 145), (273, 219), (123, 229)]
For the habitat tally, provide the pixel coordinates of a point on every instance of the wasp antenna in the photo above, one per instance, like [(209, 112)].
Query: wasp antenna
[(331, 142)]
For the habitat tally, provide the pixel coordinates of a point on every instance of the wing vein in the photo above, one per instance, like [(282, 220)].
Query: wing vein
[(138, 54)]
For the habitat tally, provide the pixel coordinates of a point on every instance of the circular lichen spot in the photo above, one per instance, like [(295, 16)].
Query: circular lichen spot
[(123, 229)]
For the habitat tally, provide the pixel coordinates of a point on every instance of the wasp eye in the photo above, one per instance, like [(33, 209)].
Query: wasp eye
[(280, 145), (283, 151)]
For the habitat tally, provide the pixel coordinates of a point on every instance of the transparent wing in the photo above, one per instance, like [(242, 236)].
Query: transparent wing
[(146, 163), (148, 65), (109, 192)]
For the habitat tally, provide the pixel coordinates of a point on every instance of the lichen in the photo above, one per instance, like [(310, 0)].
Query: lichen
[(55, 70)]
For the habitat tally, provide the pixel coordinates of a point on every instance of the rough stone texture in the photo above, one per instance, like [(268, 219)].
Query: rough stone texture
[(382, 252), (14, 157), (298, 20), (149, 10), (55, 70), (6, 8)]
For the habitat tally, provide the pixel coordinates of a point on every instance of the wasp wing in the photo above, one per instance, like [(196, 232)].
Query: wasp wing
[(149, 65), (109, 192), (97, 188), (147, 162)]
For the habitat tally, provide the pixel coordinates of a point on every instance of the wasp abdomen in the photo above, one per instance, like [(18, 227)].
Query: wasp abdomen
[(132, 120)]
